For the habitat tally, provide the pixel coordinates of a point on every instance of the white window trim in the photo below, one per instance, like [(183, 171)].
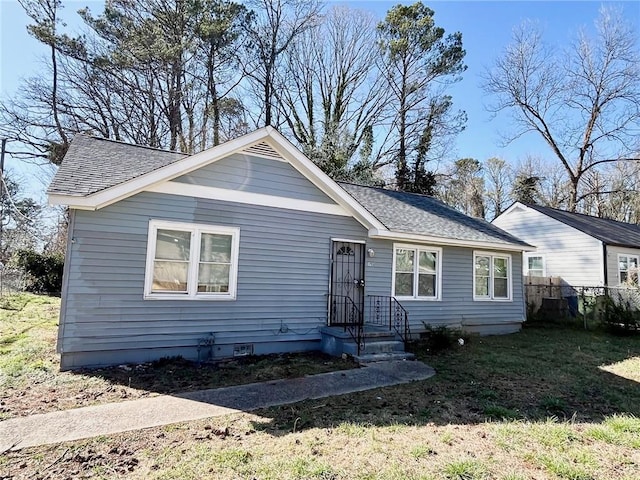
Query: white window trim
[(628, 255), (490, 297), (525, 262), (192, 279), (424, 248)]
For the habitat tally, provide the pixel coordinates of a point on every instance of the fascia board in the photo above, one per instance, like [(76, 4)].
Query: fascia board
[(408, 237), (305, 166), (181, 167), (321, 180)]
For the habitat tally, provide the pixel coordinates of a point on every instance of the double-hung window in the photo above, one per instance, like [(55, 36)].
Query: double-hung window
[(491, 276), (416, 272), (534, 265), (628, 269), (191, 261)]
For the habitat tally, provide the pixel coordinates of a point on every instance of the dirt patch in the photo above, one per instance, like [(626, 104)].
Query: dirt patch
[(65, 390), (30, 380), (234, 448)]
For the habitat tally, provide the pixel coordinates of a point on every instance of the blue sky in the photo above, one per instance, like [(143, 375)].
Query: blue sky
[(486, 27)]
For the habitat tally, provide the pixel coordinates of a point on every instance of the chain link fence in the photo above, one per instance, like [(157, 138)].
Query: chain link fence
[(12, 280), (588, 306)]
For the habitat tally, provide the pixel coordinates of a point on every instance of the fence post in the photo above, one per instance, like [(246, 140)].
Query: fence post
[(584, 307)]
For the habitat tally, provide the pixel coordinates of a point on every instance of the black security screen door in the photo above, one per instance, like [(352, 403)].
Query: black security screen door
[(346, 299)]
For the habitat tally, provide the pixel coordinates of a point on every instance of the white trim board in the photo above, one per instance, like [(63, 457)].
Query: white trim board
[(491, 297), (249, 198), (195, 231), (416, 272), (442, 241), (267, 135)]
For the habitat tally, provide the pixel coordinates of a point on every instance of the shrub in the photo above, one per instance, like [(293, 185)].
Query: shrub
[(44, 272), (619, 315), (437, 339)]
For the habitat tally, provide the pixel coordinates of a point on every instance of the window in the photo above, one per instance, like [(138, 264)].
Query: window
[(628, 269), (416, 272), (191, 261), (534, 265), (491, 276)]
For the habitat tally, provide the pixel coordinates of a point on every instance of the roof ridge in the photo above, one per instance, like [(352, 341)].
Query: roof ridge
[(628, 224), (134, 145), (389, 190)]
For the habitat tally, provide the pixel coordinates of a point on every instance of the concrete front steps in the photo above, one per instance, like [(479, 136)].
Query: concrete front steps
[(379, 344)]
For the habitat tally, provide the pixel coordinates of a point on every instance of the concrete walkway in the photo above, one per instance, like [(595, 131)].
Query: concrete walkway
[(86, 422)]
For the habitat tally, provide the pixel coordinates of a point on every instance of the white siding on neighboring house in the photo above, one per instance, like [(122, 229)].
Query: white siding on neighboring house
[(613, 257), (568, 253)]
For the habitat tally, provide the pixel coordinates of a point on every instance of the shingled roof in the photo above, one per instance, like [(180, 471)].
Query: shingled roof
[(96, 167), (424, 215), (95, 164), (608, 231)]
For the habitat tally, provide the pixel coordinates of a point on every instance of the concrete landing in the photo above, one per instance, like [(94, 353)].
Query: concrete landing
[(87, 422)]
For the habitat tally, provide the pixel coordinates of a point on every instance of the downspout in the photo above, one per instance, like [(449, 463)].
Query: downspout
[(604, 264)]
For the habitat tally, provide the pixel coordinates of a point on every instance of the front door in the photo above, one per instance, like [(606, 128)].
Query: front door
[(346, 299)]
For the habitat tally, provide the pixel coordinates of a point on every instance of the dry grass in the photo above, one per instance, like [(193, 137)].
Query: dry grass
[(547, 403), (30, 380), (237, 447)]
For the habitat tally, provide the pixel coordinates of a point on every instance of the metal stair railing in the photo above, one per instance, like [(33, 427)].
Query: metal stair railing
[(388, 312), (343, 312)]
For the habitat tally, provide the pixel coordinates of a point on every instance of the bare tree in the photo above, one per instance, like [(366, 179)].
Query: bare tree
[(614, 192), (276, 25), (37, 108), (583, 101), (334, 94), (154, 72), (542, 182), (497, 176), (463, 187)]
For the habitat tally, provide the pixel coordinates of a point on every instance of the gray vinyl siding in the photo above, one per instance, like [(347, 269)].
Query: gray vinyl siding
[(283, 278), (613, 274), (456, 307), (570, 254), (256, 175)]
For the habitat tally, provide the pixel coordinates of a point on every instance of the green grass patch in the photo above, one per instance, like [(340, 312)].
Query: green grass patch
[(553, 434), (499, 412), (547, 402), (465, 470), (352, 429), (536, 374), (27, 338), (579, 467), (422, 451), (304, 467), (623, 430)]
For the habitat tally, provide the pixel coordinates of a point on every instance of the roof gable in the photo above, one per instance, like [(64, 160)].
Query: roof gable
[(78, 191), (96, 173), (610, 232)]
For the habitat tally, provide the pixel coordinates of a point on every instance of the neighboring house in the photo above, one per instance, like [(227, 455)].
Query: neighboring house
[(581, 249), (249, 247)]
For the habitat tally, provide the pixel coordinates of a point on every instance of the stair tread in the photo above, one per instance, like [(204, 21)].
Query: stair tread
[(383, 357)]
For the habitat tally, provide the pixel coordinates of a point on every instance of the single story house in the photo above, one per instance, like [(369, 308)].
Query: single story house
[(580, 249), (248, 247)]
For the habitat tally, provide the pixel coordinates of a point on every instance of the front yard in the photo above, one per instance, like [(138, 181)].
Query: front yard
[(547, 403)]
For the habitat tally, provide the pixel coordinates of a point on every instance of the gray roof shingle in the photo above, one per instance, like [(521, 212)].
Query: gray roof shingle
[(424, 215), (92, 165), (95, 164), (608, 231)]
